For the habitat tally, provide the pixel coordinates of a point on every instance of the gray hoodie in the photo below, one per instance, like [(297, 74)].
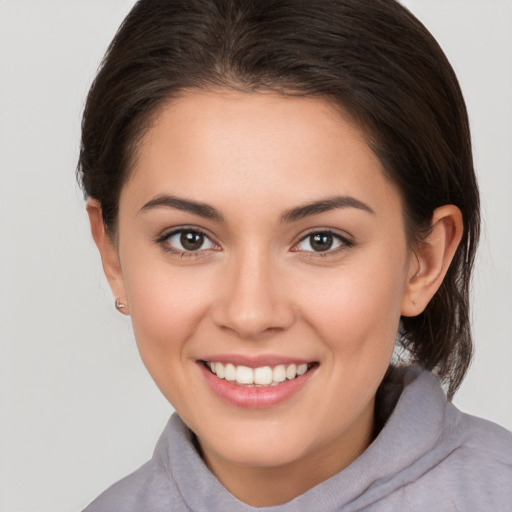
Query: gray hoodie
[(428, 457)]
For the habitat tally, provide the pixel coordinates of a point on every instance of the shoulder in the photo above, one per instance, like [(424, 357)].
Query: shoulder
[(470, 462), (483, 437), (476, 473), (169, 481), (483, 457), (148, 488), (441, 457)]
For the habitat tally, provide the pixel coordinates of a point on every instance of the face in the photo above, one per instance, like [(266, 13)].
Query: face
[(264, 262)]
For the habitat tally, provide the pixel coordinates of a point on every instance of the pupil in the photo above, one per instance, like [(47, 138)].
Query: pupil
[(321, 241), (191, 241)]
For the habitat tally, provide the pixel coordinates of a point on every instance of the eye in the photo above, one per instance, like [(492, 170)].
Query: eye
[(187, 240), (321, 241)]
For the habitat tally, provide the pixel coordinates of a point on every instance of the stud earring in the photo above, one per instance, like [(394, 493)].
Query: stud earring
[(419, 266), (120, 306)]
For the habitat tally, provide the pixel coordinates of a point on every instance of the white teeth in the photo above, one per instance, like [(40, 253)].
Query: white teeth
[(279, 373), (302, 369), (291, 372), (219, 370), (261, 376), (230, 372), (244, 375)]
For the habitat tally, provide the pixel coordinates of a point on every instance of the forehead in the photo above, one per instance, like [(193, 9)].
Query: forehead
[(225, 145)]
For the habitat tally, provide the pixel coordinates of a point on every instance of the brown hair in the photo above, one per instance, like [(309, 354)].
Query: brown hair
[(373, 58)]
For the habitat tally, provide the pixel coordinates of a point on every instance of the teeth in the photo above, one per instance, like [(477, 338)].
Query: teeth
[(244, 374), (261, 376), (291, 372), (219, 370), (302, 369), (230, 372), (279, 373)]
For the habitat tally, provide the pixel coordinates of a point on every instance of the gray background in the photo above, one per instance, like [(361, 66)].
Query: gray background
[(77, 409)]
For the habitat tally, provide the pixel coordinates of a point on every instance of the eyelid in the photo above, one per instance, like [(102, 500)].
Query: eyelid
[(346, 242), (162, 239)]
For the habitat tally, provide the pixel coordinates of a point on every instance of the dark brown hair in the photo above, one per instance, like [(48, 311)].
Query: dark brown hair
[(372, 58)]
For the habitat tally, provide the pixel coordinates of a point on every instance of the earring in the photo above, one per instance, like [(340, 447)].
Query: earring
[(419, 266), (120, 306)]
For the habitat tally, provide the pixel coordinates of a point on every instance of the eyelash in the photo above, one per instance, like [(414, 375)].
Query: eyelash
[(163, 241), (345, 244)]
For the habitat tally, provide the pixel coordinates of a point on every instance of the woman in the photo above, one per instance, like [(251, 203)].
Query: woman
[(283, 197)]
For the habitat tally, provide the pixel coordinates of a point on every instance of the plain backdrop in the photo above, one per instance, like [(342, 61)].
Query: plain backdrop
[(78, 410)]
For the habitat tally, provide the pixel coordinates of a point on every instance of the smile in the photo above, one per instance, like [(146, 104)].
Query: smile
[(256, 384), (263, 376)]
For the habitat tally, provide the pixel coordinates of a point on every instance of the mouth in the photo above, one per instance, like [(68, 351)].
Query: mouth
[(259, 377)]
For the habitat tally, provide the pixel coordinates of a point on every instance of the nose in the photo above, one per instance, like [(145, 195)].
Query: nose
[(252, 300)]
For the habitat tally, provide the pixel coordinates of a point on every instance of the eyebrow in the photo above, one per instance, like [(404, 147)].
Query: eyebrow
[(209, 212), (324, 205), (186, 205)]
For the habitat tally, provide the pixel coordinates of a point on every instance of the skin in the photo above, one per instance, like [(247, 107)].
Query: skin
[(258, 288)]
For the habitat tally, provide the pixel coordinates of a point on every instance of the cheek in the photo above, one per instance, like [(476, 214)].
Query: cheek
[(166, 307), (166, 304), (357, 311)]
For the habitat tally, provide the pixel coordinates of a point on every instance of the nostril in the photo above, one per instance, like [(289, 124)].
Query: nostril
[(250, 301), (253, 323)]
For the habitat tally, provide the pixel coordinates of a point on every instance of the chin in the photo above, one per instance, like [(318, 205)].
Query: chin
[(254, 443), (260, 454)]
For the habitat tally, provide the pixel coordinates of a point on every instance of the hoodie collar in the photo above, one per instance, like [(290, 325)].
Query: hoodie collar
[(407, 446)]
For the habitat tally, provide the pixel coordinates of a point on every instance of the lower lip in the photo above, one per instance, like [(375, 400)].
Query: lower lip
[(253, 397)]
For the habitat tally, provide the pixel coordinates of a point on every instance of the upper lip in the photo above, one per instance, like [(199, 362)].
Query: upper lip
[(255, 361)]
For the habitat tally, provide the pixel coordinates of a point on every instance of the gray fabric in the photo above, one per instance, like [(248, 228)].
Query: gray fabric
[(428, 457)]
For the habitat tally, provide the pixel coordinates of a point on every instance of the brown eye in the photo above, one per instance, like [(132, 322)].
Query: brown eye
[(321, 242), (191, 240), (187, 240)]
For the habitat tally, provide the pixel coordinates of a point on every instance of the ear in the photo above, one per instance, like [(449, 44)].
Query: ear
[(431, 260), (108, 252)]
